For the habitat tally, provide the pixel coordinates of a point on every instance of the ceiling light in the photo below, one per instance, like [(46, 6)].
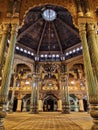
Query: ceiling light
[(49, 14), (32, 54), (78, 49), (72, 82), (25, 51), (17, 48), (81, 47), (42, 56), (53, 55), (28, 52), (57, 55), (21, 49), (8, 41), (74, 50), (45, 55), (70, 52), (67, 54), (27, 82)]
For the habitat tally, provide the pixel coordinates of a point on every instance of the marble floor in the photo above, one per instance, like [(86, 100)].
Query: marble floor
[(48, 121)]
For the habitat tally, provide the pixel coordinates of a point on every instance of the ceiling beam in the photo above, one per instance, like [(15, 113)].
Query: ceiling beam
[(58, 39), (28, 29), (69, 28), (41, 38)]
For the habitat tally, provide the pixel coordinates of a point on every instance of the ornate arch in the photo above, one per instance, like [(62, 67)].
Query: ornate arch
[(30, 66), (69, 5)]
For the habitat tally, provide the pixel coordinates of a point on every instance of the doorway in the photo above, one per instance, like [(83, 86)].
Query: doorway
[(50, 103)]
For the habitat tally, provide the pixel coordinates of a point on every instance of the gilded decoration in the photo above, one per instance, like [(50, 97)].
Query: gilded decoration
[(27, 5)]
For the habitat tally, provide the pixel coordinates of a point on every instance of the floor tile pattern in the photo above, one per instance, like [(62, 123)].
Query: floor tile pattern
[(48, 121)]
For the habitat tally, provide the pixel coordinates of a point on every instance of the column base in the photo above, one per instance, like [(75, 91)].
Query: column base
[(59, 110), (34, 110), (10, 108), (94, 115), (2, 116), (2, 128), (66, 109), (24, 110), (65, 112), (81, 110), (94, 127)]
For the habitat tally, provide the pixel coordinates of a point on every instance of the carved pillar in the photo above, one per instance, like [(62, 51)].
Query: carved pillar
[(59, 105), (0, 32), (13, 95), (79, 8), (81, 105), (93, 47), (76, 107), (65, 95), (9, 62), (7, 70), (40, 105), (19, 103), (34, 95), (24, 105), (3, 44), (92, 86)]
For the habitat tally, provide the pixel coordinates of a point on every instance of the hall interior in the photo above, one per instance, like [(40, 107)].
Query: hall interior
[(48, 64)]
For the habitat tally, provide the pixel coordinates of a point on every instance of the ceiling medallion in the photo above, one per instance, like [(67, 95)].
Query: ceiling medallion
[(49, 14)]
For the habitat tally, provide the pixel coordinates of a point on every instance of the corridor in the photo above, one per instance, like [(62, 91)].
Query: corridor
[(48, 121)]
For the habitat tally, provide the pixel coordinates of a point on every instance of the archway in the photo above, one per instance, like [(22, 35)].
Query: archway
[(50, 103)]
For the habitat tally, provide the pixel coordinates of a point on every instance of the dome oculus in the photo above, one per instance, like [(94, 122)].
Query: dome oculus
[(49, 14)]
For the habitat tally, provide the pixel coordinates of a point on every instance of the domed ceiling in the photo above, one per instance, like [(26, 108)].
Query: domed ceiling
[(48, 28)]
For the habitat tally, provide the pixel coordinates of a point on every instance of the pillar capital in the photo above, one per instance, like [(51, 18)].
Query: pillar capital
[(93, 99), (15, 21), (82, 27), (1, 28), (3, 99), (91, 27), (5, 28), (89, 14), (14, 28)]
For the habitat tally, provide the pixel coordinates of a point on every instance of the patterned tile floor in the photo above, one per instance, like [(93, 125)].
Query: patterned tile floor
[(48, 121)]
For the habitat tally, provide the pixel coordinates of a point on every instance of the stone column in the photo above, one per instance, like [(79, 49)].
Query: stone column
[(93, 47), (65, 95), (34, 95), (97, 36), (7, 69), (76, 107), (24, 105), (92, 85), (60, 105), (8, 64), (81, 105), (40, 105), (7, 106), (19, 103), (3, 44), (13, 95), (0, 32)]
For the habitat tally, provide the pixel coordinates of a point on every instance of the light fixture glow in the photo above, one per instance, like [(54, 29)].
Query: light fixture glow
[(49, 14)]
